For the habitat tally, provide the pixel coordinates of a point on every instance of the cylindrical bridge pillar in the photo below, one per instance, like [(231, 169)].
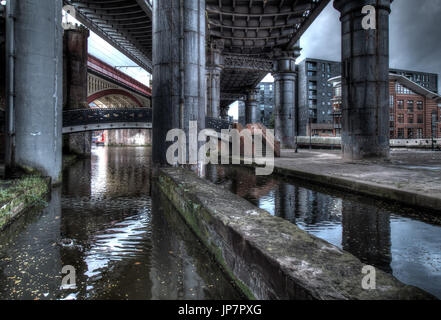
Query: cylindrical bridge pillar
[(75, 85), (365, 79), (38, 87), (251, 108), (285, 98), (179, 86), (214, 70)]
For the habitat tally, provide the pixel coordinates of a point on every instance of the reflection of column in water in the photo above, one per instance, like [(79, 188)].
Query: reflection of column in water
[(366, 234), (286, 202), (317, 207), (181, 268), (77, 179), (166, 273)]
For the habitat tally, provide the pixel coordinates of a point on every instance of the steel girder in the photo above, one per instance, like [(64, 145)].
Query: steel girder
[(126, 24), (249, 28)]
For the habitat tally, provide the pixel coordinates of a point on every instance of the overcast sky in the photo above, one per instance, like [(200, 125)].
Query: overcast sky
[(415, 36)]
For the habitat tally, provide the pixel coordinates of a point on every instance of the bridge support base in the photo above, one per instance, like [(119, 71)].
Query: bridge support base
[(365, 81), (39, 88)]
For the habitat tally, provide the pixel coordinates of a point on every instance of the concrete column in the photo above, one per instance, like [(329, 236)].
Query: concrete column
[(285, 98), (3, 77), (39, 87), (179, 86), (251, 108), (214, 70), (365, 81), (75, 85)]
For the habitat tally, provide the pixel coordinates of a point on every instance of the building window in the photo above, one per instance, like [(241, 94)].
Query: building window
[(410, 106), (420, 118), (419, 105), (400, 133), (410, 118), (401, 118), (312, 66), (391, 101), (400, 104), (402, 89), (312, 73), (313, 103), (328, 68), (419, 133), (409, 133)]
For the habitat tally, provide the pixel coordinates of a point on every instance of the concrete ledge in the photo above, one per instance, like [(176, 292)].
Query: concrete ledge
[(394, 143), (365, 187), (269, 257), (20, 196)]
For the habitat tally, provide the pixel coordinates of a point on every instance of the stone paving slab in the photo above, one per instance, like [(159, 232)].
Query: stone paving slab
[(410, 177)]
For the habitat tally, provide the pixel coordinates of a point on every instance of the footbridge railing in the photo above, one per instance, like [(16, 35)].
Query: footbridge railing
[(81, 120), (105, 119)]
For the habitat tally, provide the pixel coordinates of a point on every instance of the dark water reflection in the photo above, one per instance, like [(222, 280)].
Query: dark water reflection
[(123, 241), (402, 241)]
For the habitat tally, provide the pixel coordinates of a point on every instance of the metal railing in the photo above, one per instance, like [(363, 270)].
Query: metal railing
[(216, 124), (85, 117), (93, 116)]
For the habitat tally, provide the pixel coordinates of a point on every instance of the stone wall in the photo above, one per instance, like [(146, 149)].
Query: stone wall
[(267, 256)]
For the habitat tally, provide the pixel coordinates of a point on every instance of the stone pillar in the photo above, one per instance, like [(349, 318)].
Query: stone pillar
[(365, 81), (3, 77), (179, 86), (242, 113), (214, 70), (75, 85), (224, 113), (39, 87), (251, 108), (285, 98)]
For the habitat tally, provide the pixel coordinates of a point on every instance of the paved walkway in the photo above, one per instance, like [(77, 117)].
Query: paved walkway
[(412, 177)]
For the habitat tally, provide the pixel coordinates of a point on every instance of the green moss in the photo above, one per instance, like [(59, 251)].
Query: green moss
[(20, 195), (68, 160)]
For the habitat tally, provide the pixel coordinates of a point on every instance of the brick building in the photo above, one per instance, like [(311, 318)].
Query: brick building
[(415, 112), (316, 112)]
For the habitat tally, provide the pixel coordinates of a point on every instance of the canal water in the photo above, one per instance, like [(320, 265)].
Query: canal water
[(125, 241), (398, 240), (122, 238)]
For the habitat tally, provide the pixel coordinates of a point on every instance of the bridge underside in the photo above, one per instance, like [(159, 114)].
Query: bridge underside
[(253, 32), (126, 24)]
